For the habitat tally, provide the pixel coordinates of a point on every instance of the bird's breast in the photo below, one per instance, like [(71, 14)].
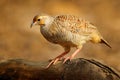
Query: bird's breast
[(51, 34), (63, 37)]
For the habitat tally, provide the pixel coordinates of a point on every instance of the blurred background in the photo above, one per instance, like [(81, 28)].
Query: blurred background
[(17, 40)]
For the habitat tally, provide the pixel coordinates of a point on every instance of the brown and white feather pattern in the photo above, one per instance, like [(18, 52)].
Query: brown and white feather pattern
[(69, 30), (74, 24)]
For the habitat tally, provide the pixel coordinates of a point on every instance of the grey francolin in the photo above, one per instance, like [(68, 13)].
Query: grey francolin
[(67, 31)]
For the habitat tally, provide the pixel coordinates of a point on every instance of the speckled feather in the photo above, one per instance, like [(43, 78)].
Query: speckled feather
[(75, 24), (70, 30)]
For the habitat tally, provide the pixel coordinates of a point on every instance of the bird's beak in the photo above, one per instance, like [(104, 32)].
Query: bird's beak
[(31, 25)]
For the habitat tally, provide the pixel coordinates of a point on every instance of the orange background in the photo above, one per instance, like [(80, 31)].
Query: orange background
[(17, 40)]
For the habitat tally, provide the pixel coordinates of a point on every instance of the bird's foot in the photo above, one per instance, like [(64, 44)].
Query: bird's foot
[(72, 56), (52, 62), (66, 59)]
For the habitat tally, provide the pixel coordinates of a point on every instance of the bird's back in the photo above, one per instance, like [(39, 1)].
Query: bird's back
[(77, 26)]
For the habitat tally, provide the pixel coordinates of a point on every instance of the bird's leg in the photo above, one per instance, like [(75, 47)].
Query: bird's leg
[(73, 55), (58, 57)]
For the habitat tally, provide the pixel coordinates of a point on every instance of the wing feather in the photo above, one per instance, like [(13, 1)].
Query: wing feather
[(75, 24)]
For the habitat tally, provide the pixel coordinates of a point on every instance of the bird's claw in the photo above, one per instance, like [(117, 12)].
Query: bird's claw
[(66, 59), (53, 62)]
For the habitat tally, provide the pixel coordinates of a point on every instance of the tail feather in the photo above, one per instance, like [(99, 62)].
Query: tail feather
[(106, 43)]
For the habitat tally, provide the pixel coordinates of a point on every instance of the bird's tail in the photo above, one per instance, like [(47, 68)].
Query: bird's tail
[(105, 42)]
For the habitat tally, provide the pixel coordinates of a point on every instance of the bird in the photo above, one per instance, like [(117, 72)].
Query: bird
[(68, 31)]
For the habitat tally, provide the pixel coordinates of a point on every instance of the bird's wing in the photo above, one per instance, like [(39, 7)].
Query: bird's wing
[(75, 24)]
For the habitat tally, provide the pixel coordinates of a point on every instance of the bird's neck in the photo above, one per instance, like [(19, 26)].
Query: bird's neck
[(47, 25)]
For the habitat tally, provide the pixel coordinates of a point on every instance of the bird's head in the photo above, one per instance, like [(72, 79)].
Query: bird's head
[(41, 20)]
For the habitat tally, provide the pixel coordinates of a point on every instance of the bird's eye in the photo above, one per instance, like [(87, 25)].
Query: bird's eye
[(38, 19)]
